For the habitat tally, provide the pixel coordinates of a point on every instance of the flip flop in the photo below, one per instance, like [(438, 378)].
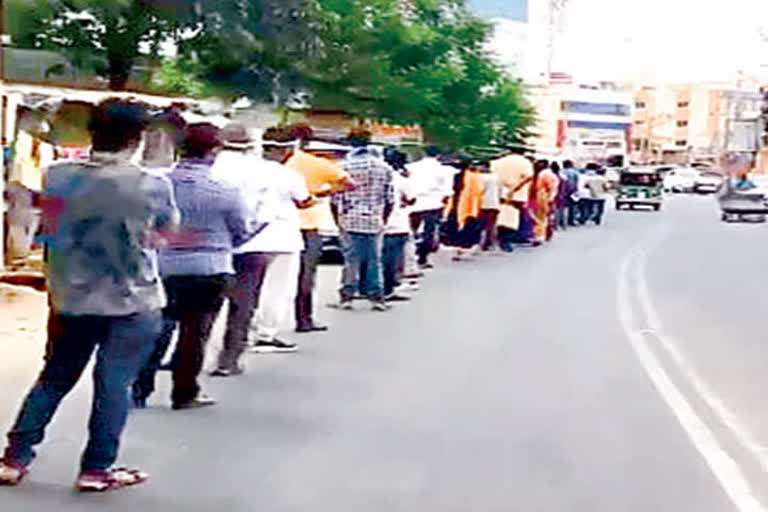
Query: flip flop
[(110, 480)]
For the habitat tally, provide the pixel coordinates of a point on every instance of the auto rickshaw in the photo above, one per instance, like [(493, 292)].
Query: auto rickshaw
[(640, 186)]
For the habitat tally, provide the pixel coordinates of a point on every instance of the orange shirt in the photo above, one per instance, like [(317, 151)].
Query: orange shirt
[(322, 176)]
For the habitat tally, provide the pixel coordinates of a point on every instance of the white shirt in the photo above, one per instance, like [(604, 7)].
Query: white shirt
[(492, 193), (399, 222), (271, 190), (431, 182)]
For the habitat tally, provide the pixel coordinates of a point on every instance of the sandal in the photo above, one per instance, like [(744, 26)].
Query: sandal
[(109, 480), (11, 474)]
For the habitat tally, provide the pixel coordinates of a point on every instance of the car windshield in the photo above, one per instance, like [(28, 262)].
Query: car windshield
[(637, 178)]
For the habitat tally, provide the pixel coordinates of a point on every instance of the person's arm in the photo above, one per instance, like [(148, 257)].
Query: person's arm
[(387, 191), (299, 193), (238, 217)]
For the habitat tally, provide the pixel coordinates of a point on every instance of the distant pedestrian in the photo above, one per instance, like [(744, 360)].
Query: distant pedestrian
[(432, 186), (362, 215), (597, 184), (491, 205), (398, 229), (543, 195), (463, 228), (515, 174), (99, 220), (570, 186)]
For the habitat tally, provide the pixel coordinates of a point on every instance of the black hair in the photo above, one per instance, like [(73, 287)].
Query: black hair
[(432, 151), (555, 167), (199, 140), (117, 125), (568, 164)]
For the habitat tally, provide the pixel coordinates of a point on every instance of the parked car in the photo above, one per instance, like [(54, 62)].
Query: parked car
[(680, 179), (708, 182)]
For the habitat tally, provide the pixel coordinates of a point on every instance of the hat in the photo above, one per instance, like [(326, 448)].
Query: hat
[(236, 135)]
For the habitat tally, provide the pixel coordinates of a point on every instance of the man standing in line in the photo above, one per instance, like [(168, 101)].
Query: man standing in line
[(323, 178), (362, 214), (489, 211), (105, 292), (197, 268), (597, 184), (432, 185), (570, 187), (398, 229), (268, 265)]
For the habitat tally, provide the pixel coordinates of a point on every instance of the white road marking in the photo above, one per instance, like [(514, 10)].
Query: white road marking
[(726, 470), (739, 431)]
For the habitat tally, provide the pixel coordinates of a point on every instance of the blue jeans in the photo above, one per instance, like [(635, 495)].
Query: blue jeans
[(362, 264), (393, 261), (429, 241), (124, 344)]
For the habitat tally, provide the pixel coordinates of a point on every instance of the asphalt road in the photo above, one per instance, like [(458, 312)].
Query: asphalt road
[(620, 368)]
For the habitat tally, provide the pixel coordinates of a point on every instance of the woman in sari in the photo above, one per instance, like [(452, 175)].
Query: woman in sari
[(543, 195), (463, 228)]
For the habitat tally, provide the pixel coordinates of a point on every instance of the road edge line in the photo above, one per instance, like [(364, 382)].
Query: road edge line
[(723, 466)]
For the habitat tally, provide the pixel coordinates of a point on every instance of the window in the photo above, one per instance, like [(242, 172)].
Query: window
[(639, 104), (681, 143), (604, 109), (682, 104), (682, 124)]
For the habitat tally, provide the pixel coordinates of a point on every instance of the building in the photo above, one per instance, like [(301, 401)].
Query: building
[(584, 123), (683, 123)]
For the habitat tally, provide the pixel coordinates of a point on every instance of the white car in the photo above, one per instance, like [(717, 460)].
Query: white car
[(680, 179), (707, 182)]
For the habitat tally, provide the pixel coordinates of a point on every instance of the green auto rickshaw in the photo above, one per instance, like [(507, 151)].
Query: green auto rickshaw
[(640, 186)]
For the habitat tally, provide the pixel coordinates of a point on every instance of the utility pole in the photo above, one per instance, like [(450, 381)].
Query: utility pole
[(556, 9)]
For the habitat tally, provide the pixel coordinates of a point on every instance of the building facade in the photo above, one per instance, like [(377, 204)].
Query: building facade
[(684, 123)]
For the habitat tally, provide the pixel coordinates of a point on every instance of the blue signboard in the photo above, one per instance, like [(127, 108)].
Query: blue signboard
[(511, 9)]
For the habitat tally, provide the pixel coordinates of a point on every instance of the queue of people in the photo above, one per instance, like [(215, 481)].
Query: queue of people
[(141, 250)]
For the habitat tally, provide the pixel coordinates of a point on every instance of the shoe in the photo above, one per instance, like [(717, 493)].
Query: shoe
[(274, 347), (11, 474), (312, 328), (346, 305), (414, 275), (227, 372), (426, 266), (139, 402), (380, 306), (397, 298), (201, 400), (109, 480), (408, 287)]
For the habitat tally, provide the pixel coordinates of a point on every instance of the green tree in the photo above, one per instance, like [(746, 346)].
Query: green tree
[(420, 62), (103, 36)]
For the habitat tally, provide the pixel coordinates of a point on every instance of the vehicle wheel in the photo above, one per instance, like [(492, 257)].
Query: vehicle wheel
[(656, 207), (724, 217), (619, 205)]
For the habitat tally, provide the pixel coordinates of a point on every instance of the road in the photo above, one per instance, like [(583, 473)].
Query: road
[(620, 368)]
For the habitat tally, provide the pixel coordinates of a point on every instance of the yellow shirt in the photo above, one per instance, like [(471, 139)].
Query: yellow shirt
[(513, 170), (322, 176)]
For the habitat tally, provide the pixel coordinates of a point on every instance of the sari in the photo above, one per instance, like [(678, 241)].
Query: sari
[(543, 196)]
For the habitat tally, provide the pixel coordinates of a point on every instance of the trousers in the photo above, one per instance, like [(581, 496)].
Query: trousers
[(122, 346), (310, 257)]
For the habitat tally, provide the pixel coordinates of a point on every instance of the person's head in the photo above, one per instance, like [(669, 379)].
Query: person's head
[(395, 158), (540, 165), (117, 125), (555, 167), (162, 138), (432, 151), (237, 137), (200, 140), (278, 151), (568, 164)]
